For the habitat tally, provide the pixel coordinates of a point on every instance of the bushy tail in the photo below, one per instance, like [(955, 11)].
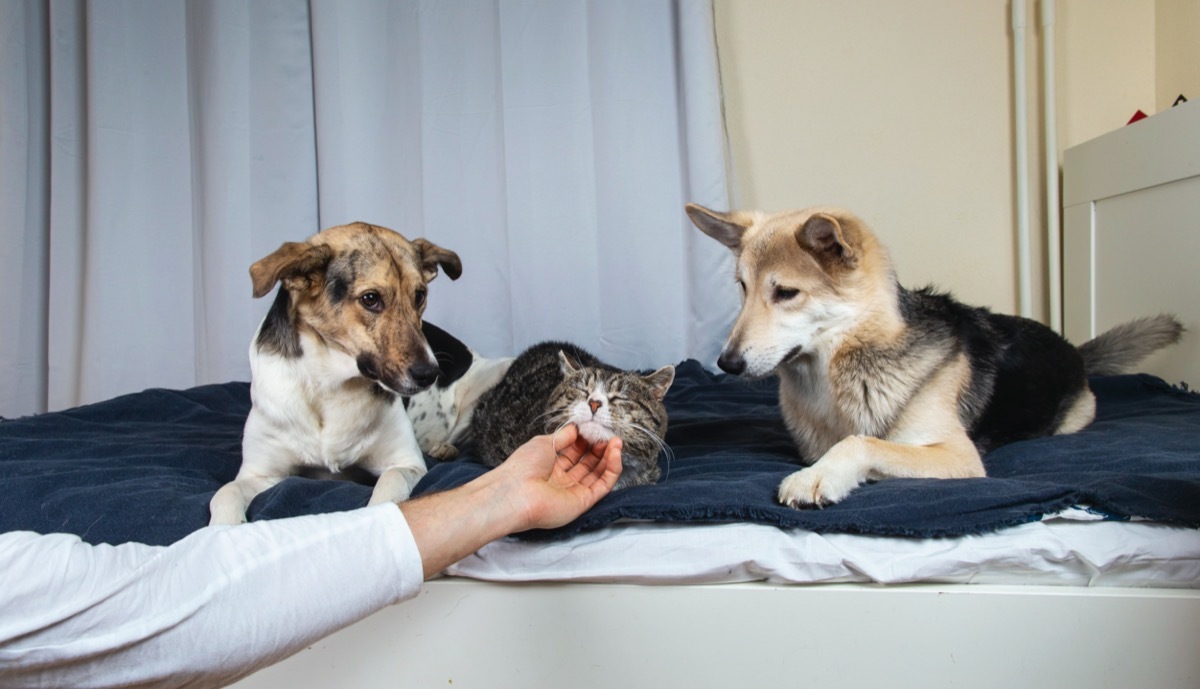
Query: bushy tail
[(1120, 348)]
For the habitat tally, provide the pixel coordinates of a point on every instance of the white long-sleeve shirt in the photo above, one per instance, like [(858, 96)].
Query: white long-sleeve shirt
[(202, 612)]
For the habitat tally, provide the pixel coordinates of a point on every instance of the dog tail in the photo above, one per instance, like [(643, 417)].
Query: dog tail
[(1120, 348)]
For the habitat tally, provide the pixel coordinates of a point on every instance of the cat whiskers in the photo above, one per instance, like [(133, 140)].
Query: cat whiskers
[(556, 420), (659, 443)]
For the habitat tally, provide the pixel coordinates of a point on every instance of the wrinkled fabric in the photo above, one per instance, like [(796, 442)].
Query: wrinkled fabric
[(143, 467)]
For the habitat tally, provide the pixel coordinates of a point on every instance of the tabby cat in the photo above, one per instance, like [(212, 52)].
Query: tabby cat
[(555, 383)]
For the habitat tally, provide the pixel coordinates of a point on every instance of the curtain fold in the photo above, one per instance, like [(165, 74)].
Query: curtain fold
[(24, 192), (151, 150)]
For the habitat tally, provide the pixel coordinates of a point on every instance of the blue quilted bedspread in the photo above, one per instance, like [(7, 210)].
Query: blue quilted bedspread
[(143, 467)]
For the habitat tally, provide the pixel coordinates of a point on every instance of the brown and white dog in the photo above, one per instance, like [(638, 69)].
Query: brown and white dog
[(340, 346), (878, 381)]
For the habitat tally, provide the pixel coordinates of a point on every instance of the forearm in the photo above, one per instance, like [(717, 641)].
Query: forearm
[(449, 526)]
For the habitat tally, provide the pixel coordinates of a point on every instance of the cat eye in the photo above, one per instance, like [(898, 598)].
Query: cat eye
[(419, 298), (784, 294), (371, 301)]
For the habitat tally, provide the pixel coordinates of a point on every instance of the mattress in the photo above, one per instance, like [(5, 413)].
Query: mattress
[(143, 467), (1073, 548)]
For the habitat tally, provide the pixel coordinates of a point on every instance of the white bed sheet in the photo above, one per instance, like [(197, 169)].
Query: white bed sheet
[(1069, 549)]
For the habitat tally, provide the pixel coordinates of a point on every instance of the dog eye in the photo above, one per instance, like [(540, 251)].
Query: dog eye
[(419, 298), (371, 301), (785, 293)]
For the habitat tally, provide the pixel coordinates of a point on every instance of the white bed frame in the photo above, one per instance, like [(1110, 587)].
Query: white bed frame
[(1131, 248), (462, 633)]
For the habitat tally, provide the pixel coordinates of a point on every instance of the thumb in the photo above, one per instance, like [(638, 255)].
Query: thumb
[(565, 437)]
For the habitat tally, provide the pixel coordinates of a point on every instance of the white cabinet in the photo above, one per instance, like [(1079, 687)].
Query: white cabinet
[(1131, 233)]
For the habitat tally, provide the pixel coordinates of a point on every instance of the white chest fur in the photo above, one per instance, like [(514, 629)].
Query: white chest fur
[(316, 410), (809, 408)]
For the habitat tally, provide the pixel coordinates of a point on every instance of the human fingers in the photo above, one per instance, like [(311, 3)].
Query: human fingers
[(565, 439), (603, 470), (586, 458), (567, 454), (608, 467)]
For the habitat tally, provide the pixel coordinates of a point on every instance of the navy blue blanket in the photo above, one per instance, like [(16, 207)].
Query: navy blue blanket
[(143, 467)]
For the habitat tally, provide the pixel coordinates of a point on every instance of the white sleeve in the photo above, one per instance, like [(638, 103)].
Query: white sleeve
[(207, 610)]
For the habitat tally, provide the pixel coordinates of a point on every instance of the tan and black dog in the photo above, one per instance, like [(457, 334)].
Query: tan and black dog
[(878, 381), (338, 348)]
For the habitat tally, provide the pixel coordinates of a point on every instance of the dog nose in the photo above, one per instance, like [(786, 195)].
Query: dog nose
[(731, 362), (424, 374)]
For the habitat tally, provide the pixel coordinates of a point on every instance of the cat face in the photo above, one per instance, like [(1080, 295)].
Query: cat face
[(603, 403)]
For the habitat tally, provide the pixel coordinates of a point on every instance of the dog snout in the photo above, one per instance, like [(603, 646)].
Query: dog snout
[(732, 362), (397, 379), (424, 374), (369, 367)]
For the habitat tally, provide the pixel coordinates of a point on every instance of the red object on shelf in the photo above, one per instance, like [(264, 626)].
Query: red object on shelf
[(1139, 115)]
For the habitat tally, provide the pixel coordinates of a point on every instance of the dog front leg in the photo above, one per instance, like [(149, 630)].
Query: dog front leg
[(395, 484), (857, 459), (228, 505), (447, 448)]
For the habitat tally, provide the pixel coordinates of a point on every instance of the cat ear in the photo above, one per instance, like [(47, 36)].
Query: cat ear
[(568, 364), (660, 381)]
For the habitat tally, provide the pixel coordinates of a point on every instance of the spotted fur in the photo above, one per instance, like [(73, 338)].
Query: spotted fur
[(441, 415)]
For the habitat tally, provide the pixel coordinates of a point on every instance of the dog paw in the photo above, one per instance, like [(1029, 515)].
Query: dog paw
[(225, 517), (442, 451), (817, 486), (396, 484), (227, 506)]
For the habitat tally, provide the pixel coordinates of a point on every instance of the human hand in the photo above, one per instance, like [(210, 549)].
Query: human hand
[(545, 483), (554, 479)]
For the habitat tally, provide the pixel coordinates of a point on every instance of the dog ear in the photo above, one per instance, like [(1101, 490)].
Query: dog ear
[(726, 228), (825, 236), (291, 260), (431, 256)]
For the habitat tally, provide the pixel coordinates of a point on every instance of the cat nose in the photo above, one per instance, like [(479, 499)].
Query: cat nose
[(594, 404)]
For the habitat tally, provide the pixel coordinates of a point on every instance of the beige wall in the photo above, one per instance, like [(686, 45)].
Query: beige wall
[(902, 111), (1106, 65), (1177, 56)]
